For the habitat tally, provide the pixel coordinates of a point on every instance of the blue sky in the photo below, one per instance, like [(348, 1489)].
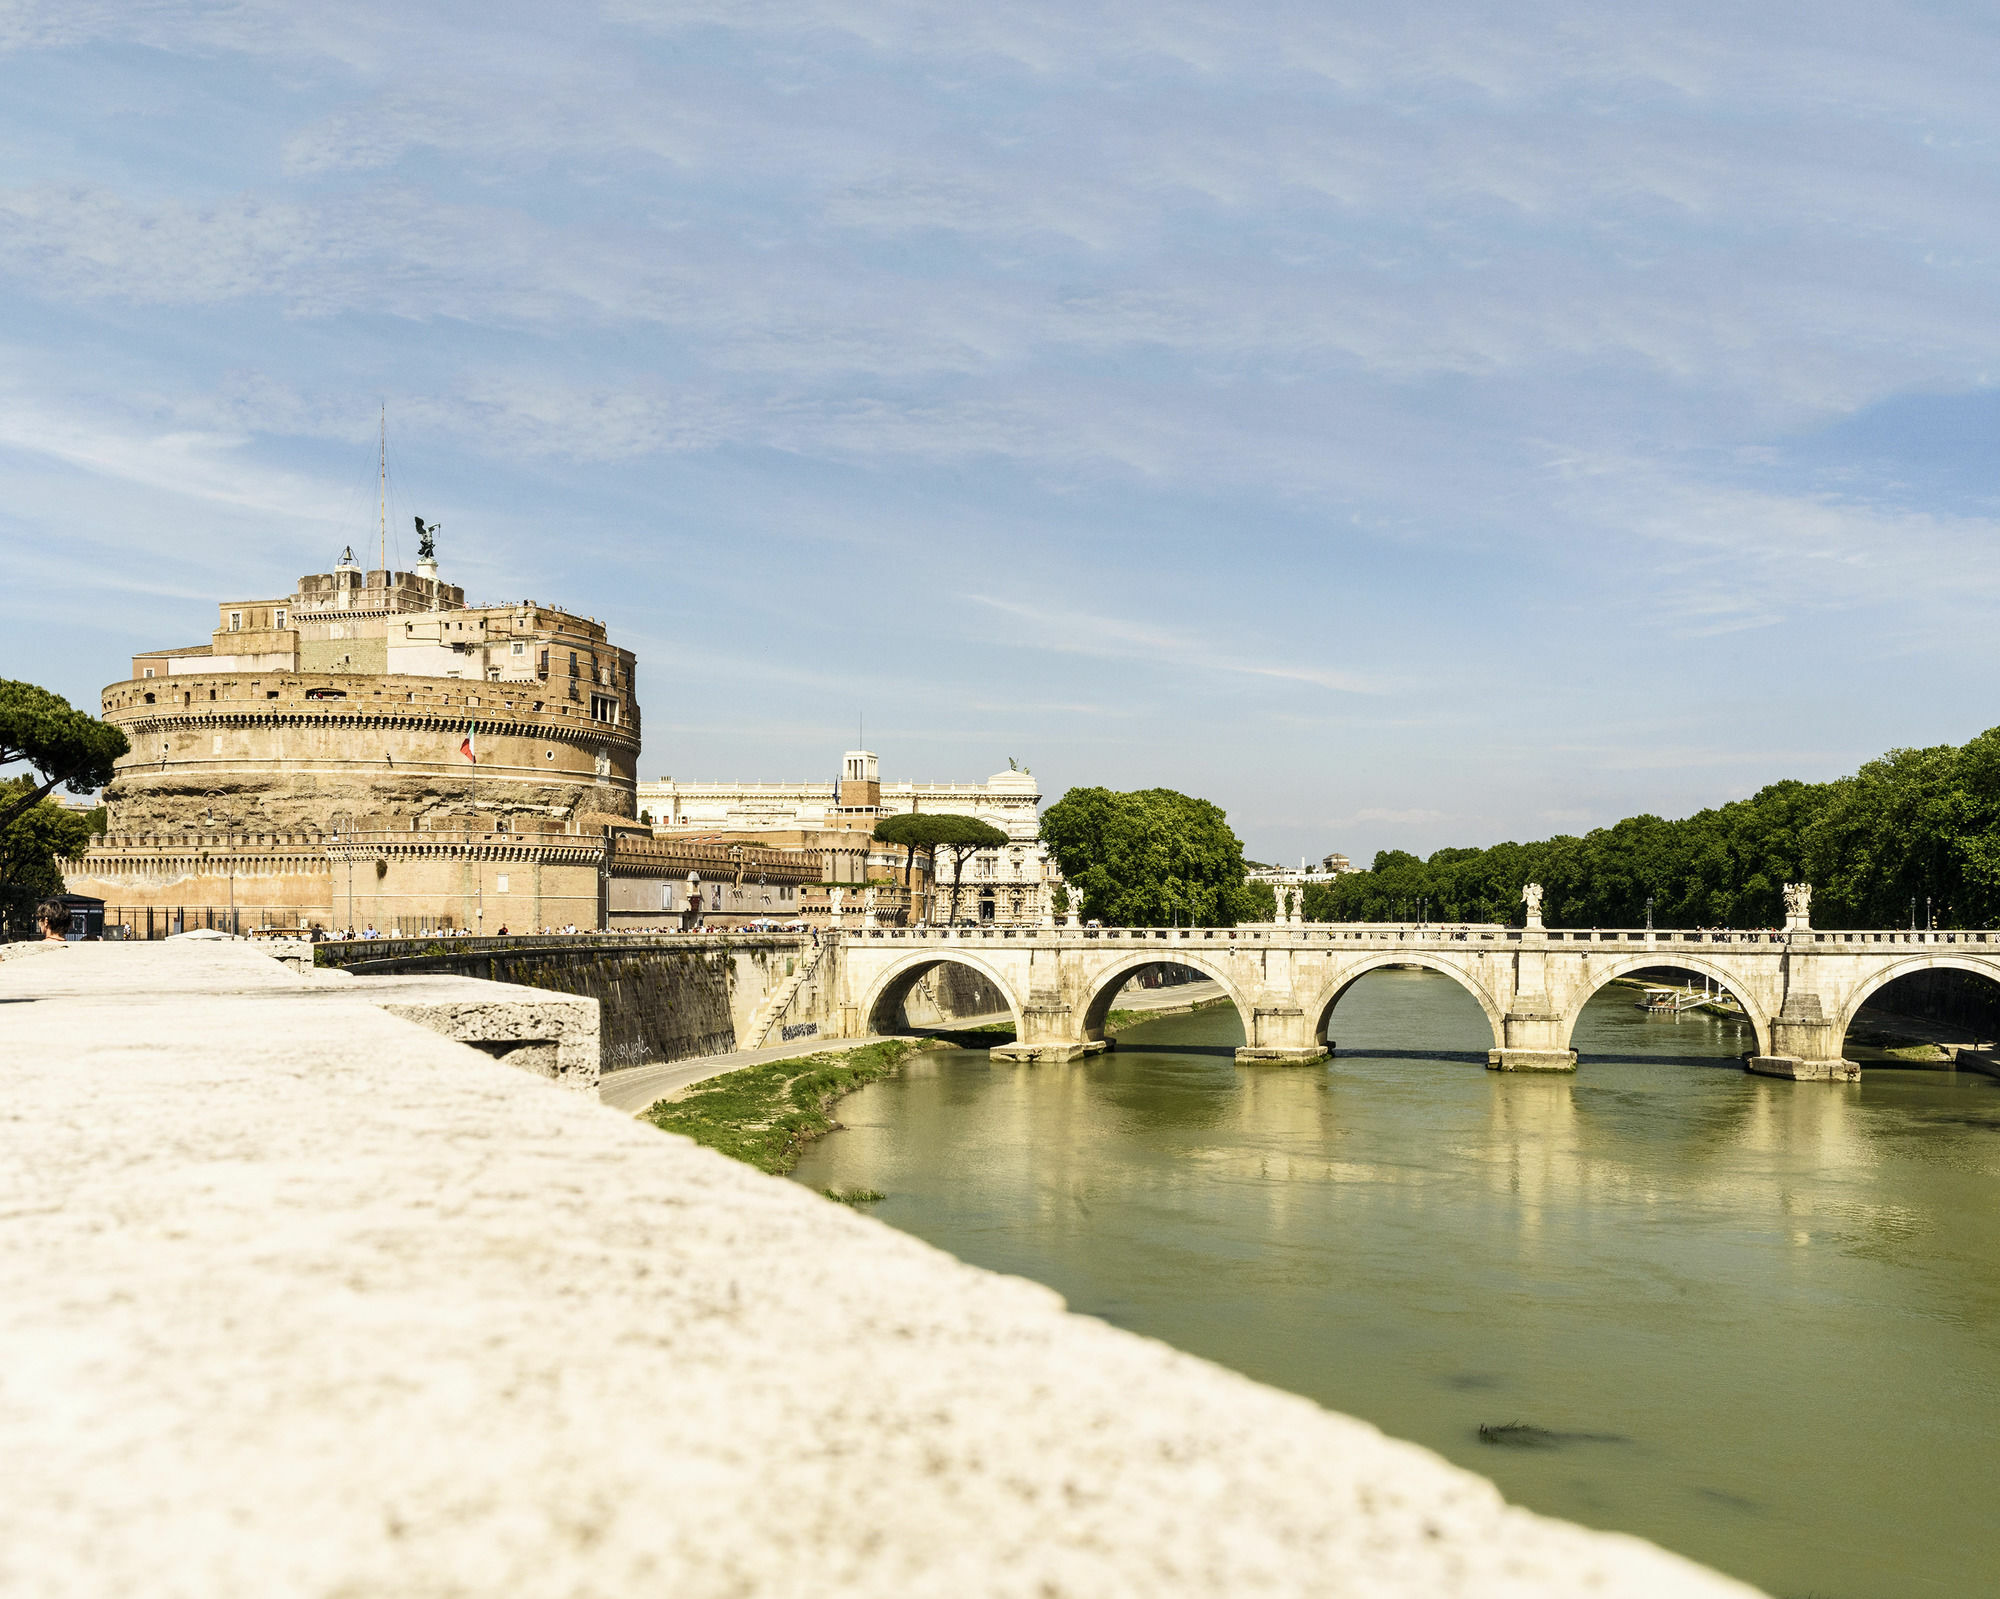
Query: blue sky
[(1403, 426)]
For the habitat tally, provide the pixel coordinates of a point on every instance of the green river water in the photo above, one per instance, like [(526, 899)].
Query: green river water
[(1765, 1313)]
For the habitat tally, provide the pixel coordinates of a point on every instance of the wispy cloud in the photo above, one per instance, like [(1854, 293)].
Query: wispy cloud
[(1440, 361), (1114, 638)]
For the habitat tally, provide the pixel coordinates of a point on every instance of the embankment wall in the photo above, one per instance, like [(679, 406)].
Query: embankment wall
[(659, 999)]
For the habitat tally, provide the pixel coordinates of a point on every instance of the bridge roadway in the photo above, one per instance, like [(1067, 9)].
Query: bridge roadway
[(1799, 987)]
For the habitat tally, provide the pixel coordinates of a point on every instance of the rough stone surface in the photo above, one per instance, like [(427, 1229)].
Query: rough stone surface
[(663, 999), (300, 1299)]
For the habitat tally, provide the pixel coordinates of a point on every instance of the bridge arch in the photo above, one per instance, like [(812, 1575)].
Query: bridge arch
[(1321, 1008), (1598, 974), (1930, 961), (1105, 987), (882, 1005)]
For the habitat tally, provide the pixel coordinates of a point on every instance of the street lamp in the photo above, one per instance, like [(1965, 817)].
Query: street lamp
[(1649, 913)]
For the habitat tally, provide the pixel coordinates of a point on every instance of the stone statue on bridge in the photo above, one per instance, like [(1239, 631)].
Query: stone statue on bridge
[(1798, 905), (1531, 896)]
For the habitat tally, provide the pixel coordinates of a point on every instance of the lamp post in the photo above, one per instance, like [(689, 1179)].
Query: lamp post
[(1649, 913)]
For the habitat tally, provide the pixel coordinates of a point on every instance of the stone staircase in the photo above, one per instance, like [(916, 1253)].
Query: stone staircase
[(770, 1011)]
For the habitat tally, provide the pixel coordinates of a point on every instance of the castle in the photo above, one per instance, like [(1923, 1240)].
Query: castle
[(369, 750)]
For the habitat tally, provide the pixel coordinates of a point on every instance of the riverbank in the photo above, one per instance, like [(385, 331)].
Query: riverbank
[(767, 1110), (1715, 1002), (639, 1088), (765, 1114), (1127, 1016)]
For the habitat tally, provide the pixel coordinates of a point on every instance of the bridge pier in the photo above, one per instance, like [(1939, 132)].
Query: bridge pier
[(1805, 1046), (1049, 1033), (1280, 1035), (1531, 1041)]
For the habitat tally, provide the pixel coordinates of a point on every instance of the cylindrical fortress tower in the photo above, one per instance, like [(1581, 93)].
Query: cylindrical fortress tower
[(373, 718), (360, 751)]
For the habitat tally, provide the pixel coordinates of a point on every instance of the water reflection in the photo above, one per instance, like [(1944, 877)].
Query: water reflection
[(1757, 1287)]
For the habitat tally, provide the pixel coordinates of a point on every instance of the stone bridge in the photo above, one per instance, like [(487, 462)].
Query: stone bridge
[(1799, 987)]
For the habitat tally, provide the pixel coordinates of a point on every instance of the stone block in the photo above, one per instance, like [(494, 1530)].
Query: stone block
[(1531, 1060), (1804, 1071), (1280, 1055)]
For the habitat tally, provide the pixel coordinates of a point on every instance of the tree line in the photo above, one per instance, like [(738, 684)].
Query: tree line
[(1914, 834)]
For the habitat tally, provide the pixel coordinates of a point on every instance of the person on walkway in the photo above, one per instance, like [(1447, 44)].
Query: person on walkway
[(53, 917)]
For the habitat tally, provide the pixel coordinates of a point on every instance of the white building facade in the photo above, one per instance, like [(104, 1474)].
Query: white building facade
[(1329, 868), (1012, 884)]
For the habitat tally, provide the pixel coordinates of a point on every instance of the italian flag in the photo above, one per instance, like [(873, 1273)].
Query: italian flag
[(466, 745)]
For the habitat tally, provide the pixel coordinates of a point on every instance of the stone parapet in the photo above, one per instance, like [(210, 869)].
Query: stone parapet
[(302, 1299)]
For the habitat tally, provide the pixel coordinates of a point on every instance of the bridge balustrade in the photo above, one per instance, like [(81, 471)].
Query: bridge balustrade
[(1662, 937)]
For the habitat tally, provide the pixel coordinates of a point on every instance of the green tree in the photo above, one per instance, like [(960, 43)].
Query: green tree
[(63, 745), (913, 833), (964, 836), (1918, 826), (1148, 858), (32, 845)]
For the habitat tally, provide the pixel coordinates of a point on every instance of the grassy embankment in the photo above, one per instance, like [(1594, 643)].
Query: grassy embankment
[(765, 1115), (1120, 1019)]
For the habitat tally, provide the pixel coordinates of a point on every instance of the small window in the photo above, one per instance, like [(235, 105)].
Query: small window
[(520, 648), (572, 663), (278, 617), (236, 621), (149, 671), (149, 699)]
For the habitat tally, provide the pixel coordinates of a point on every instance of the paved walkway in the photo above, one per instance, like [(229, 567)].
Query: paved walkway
[(1176, 996)]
